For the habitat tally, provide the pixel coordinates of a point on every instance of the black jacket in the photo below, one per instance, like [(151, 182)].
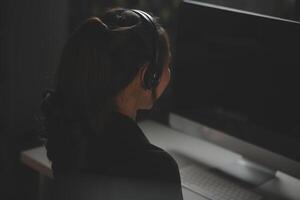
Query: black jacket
[(120, 163)]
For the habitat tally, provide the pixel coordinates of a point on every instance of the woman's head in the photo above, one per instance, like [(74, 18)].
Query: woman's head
[(102, 69), (105, 63)]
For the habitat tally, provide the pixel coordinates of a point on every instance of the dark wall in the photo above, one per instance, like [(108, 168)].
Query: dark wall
[(32, 35)]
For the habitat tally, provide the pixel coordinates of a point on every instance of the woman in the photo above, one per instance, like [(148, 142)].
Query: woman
[(110, 69)]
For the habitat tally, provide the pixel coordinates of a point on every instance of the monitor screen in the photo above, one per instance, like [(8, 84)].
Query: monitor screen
[(238, 72)]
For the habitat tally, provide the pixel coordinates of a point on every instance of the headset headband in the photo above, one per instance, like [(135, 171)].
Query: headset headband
[(152, 74)]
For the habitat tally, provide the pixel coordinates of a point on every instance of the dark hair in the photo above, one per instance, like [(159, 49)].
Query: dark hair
[(96, 64)]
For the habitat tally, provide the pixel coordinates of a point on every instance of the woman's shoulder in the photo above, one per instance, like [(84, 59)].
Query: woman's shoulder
[(153, 163), (162, 157), (123, 150)]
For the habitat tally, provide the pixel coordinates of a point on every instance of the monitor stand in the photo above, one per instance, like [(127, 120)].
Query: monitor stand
[(249, 172)]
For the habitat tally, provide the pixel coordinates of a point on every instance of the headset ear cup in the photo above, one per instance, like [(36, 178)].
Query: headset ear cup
[(147, 84), (151, 80)]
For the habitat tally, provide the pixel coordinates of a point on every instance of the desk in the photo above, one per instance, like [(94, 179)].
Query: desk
[(282, 187)]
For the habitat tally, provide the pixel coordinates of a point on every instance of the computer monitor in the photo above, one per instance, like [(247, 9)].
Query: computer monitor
[(237, 83)]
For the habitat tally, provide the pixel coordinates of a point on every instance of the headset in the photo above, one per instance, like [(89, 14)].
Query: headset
[(152, 75), (154, 70)]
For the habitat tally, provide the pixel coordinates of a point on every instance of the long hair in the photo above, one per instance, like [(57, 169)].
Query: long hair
[(95, 66)]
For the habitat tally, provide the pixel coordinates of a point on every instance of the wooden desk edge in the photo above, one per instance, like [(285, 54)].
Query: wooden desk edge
[(36, 165)]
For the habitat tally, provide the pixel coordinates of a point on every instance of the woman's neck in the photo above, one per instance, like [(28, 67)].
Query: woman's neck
[(127, 106), (128, 112)]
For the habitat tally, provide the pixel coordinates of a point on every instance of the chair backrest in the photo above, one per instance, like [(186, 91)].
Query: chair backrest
[(92, 186), (80, 186)]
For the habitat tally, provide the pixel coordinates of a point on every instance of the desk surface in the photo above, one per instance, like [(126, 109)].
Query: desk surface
[(37, 159), (282, 187)]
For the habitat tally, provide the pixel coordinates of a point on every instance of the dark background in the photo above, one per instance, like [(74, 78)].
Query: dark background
[(32, 34)]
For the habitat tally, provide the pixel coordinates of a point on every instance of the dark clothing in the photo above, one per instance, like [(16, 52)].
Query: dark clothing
[(126, 164)]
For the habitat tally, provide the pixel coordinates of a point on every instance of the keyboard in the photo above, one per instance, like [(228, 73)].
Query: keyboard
[(209, 184), (212, 186)]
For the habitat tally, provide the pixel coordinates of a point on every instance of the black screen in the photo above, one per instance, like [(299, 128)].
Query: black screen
[(239, 73)]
